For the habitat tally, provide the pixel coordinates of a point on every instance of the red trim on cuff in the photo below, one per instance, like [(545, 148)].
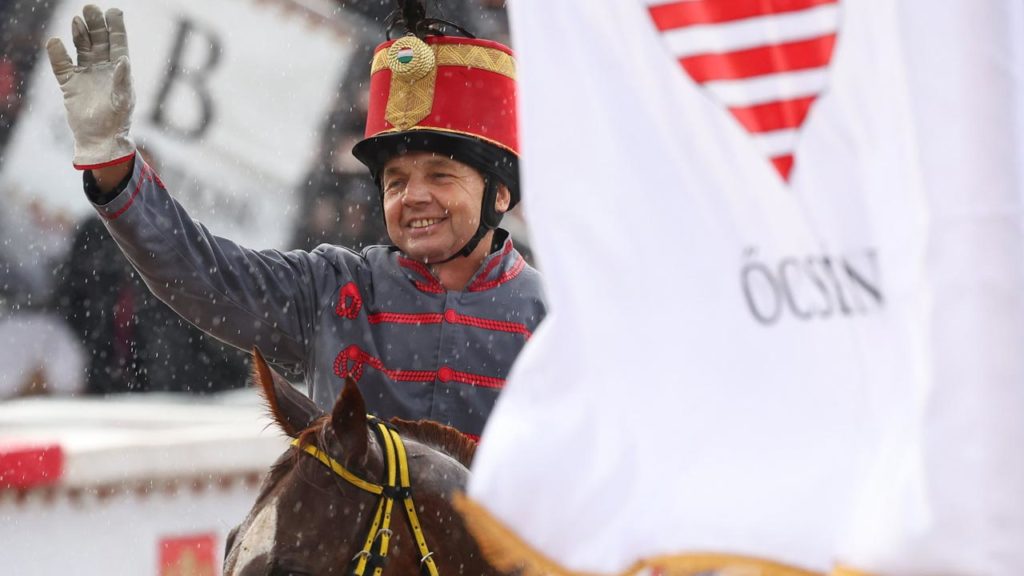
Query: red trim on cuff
[(145, 173), (115, 162), (30, 466)]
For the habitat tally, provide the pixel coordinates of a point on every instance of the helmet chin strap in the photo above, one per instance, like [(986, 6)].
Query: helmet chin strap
[(489, 220)]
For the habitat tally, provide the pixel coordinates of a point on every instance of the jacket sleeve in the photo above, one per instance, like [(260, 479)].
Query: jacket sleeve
[(244, 297)]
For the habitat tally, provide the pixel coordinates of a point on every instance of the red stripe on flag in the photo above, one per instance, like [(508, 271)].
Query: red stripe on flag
[(784, 164), (771, 116), (690, 12), (800, 55), (30, 466)]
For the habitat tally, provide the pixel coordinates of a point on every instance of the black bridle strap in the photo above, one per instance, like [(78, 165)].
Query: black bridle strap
[(396, 485)]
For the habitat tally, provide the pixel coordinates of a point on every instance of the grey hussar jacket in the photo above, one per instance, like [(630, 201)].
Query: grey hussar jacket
[(416, 349)]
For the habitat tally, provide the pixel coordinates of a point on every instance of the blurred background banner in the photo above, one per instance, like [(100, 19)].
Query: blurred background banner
[(784, 261), (231, 97)]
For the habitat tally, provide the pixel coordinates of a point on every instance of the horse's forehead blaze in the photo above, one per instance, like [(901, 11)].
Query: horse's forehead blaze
[(258, 540)]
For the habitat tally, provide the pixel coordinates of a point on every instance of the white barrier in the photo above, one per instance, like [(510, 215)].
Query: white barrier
[(143, 484)]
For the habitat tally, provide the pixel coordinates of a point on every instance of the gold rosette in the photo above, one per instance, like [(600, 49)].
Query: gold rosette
[(413, 77)]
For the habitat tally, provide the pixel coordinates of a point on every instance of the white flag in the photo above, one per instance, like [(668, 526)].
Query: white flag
[(782, 245)]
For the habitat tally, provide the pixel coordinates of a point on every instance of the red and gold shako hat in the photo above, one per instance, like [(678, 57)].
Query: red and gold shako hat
[(444, 94)]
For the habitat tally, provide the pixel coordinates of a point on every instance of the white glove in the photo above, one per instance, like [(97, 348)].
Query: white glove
[(98, 93)]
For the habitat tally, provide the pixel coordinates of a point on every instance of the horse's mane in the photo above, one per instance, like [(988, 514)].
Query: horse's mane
[(439, 437)]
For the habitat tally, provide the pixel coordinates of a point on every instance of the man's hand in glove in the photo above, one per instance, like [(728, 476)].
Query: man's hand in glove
[(98, 92)]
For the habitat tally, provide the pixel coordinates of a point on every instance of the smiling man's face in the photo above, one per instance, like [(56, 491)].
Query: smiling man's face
[(431, 204)]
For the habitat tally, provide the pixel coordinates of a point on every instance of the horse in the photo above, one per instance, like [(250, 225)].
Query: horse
[(320, 509)]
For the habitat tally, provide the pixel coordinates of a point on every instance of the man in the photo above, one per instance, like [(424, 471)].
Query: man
[(430, 326)]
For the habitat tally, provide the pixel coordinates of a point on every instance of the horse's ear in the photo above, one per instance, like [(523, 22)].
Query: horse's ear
[(292, 410), (348, 420)]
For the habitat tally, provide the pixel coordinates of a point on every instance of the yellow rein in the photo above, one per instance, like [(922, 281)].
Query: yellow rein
[(397, 486)]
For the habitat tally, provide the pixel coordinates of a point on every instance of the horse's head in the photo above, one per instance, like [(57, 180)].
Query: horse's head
[(310, 519)]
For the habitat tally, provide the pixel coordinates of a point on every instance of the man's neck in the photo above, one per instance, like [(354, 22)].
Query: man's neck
[(457, 272)]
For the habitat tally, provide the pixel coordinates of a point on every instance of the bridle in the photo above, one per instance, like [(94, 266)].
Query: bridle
[(395, 486)]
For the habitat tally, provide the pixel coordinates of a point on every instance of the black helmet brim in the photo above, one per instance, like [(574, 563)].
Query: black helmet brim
[(488, 158)]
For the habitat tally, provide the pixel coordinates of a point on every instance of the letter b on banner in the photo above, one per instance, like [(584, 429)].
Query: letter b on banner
[(191, 43)]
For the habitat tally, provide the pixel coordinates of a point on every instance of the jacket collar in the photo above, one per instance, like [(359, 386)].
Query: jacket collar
[(501, 265)]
